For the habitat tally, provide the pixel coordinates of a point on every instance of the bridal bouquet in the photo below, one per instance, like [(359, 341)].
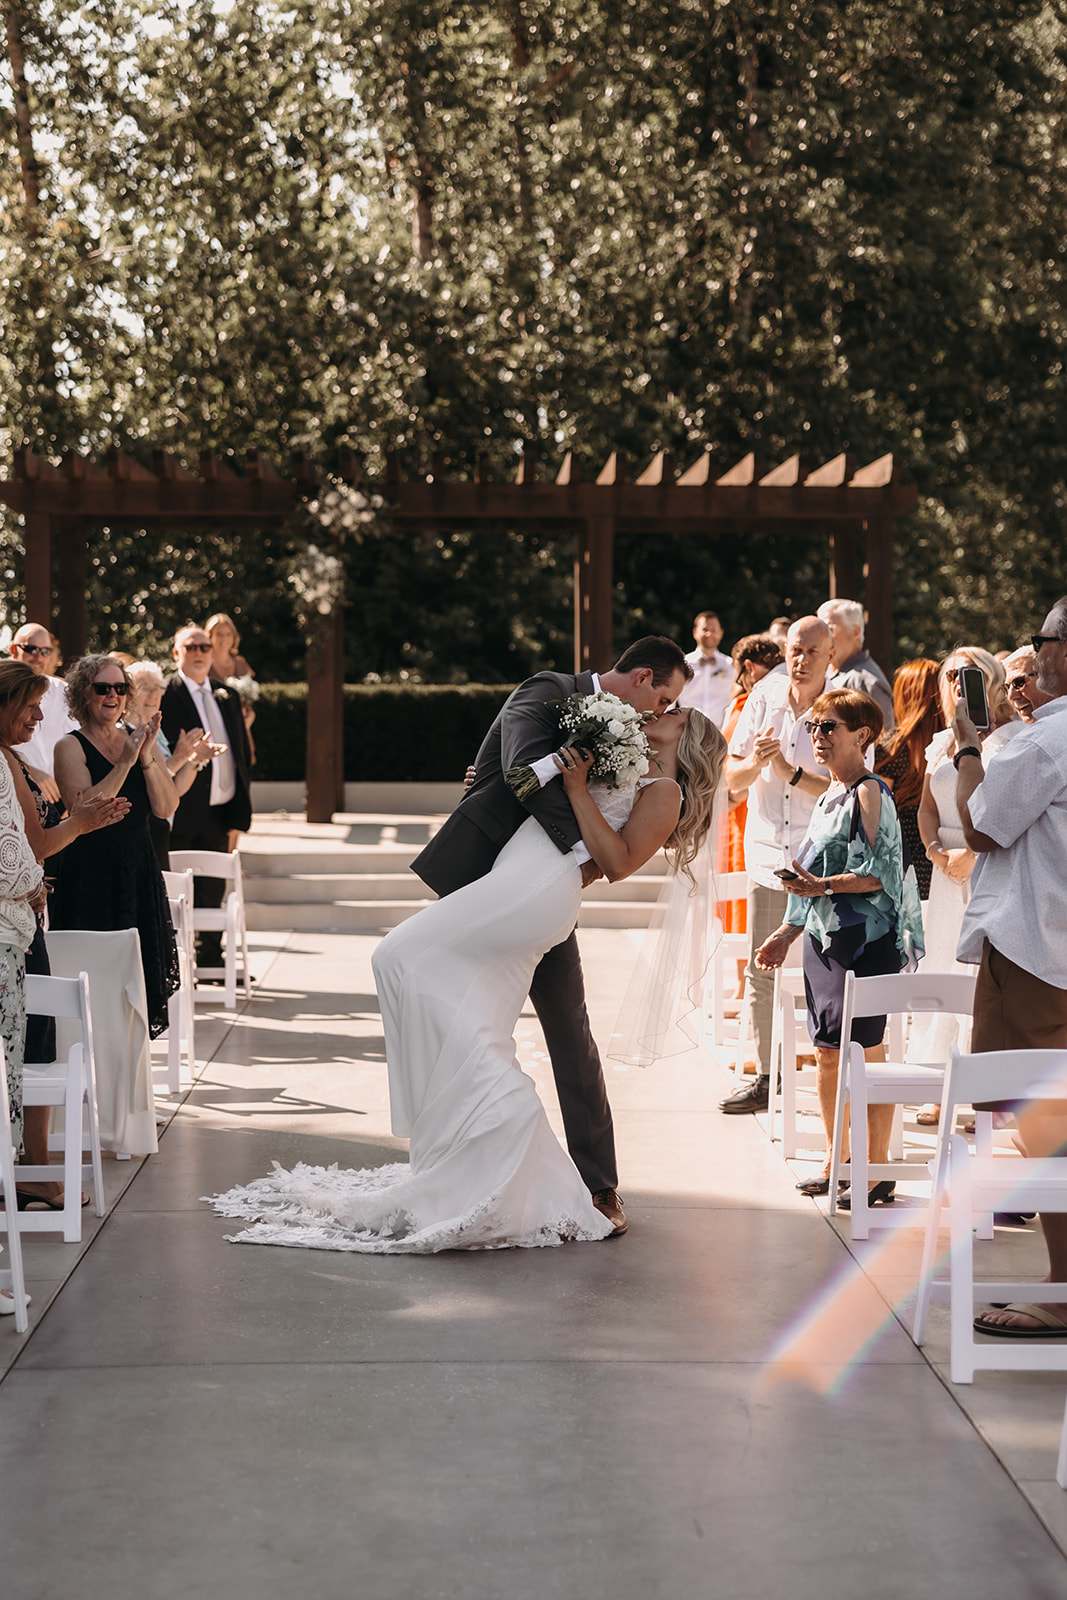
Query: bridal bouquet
[(608, 729)]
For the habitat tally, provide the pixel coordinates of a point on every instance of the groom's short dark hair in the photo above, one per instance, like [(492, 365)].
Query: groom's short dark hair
[(662, 655)]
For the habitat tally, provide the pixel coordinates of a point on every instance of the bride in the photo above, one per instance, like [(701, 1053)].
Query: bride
[(486, 1171)]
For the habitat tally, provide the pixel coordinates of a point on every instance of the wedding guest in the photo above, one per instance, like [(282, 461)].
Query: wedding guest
[(192, 751), (941, 831), (753, 657), (226, 660), (901, 758), (21, 895), (854, 667), (217, 807), (856, 905), (21, 692), (711, 686), (33, 645), (1014, 813), (1020, 673), (114, 881), (778, 630), (771, 757)]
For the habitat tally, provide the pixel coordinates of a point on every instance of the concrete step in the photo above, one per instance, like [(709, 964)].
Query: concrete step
[(314, 888), (354, 875)]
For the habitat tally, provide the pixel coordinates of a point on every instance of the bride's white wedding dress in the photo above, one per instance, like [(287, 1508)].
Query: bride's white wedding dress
[(486, 1171)]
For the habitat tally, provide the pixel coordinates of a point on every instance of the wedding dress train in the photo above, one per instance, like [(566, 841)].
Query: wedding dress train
[(486, 1171)]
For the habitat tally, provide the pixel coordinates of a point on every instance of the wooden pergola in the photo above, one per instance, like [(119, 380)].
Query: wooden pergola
[(837, 501)]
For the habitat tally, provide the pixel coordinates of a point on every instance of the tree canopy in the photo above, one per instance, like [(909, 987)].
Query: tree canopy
[(316, 224)]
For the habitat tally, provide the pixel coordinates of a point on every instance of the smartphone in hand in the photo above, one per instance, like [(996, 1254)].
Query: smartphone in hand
[(972, 690), (786, 874)]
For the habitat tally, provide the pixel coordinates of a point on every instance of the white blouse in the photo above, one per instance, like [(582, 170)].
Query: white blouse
[(20, 871)]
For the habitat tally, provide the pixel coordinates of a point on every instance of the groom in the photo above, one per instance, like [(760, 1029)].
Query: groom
[(650, 675)]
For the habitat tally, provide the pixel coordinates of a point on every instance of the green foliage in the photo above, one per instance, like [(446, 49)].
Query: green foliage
[(393, 733), (620, 223)]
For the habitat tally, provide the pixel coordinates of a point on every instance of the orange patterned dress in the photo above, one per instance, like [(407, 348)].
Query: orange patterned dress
[(734, 913)]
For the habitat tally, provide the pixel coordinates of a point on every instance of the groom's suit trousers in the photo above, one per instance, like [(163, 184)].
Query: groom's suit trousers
[(558, 995)]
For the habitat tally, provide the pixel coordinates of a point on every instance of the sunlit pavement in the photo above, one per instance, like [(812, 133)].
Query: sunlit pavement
[(718, 1403)]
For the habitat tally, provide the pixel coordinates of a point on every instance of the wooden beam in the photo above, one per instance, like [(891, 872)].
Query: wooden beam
[(325, 718), (844, 564), (593, 582), (38, 568), (73, 627), (879, 592)]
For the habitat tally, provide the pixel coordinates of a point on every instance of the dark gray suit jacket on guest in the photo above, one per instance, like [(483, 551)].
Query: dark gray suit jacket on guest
[(195, 810), (526, 728)]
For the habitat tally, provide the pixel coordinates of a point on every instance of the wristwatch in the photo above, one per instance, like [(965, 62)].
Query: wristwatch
[(795, 779), (968, 750)]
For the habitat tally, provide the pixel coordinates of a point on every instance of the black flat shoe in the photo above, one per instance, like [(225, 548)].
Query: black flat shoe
[(814, 1186), (883, 1194), (755, 1097)]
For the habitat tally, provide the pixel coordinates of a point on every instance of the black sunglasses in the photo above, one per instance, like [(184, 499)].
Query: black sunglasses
[(1023, 677), (199, 649), (825, 727), (103, 689), (1038, 639), (35, 649)]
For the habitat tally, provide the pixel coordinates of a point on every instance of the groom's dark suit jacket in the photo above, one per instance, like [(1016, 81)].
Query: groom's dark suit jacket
[(526, 728)]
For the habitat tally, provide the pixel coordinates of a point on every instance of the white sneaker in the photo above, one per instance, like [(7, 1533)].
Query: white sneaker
[(7, 1303)]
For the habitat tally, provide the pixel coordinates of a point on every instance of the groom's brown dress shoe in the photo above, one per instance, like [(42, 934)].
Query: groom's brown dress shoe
[(608, 1204)]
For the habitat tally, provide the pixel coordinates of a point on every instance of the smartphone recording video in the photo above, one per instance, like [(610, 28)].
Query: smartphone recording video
[(972, 688)]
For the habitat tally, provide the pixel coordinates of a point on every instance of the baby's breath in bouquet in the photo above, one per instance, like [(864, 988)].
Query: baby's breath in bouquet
[(606, 727)]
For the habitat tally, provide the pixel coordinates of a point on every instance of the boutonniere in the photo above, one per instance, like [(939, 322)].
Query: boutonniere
[(221, 694)]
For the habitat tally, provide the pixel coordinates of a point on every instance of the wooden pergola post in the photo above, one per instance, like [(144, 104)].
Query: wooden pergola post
[(37, 563)]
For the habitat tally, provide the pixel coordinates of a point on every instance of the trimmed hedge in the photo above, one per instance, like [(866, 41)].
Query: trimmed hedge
[(394, 733)]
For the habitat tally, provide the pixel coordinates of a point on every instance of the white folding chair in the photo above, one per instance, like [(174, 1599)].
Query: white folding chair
[(71, 1086), (862, 1083), (979, 1185), (729, 948), (12, 1277), (746, 1032), (229, 919), (790, 1030), (182, 1005)]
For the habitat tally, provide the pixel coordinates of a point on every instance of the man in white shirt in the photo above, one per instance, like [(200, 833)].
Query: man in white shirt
[(771, 756), (710, 688), (1015, 925), (33, 645)]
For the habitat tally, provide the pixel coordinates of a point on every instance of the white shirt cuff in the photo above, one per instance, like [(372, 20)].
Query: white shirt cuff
[(544, 770), (580, 852)]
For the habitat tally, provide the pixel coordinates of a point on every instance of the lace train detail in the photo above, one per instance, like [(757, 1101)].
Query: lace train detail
[(366, 1211)]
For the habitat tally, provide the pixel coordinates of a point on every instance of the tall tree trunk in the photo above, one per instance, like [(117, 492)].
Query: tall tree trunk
[(31, 187)]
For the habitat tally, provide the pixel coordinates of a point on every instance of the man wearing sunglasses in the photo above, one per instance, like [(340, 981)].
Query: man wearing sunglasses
[(33, 645), (1015, 819), (218, 803), (1020, 671)]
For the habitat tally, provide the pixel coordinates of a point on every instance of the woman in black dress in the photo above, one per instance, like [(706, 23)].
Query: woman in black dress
[(114, 881)]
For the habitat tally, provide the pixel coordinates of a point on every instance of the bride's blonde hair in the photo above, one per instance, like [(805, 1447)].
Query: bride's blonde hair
[(701, 758)]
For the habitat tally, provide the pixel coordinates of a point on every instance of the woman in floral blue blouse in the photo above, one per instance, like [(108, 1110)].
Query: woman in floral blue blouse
[(855, 899)]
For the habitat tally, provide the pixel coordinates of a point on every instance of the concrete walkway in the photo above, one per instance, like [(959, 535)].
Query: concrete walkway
[(196, 1419)]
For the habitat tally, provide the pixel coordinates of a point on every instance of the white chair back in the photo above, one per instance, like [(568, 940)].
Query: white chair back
[(980, 1184), (229, 919)]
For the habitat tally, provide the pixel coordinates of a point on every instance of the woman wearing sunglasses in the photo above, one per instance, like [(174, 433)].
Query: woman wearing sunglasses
[(854, 901), (112, 879)]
